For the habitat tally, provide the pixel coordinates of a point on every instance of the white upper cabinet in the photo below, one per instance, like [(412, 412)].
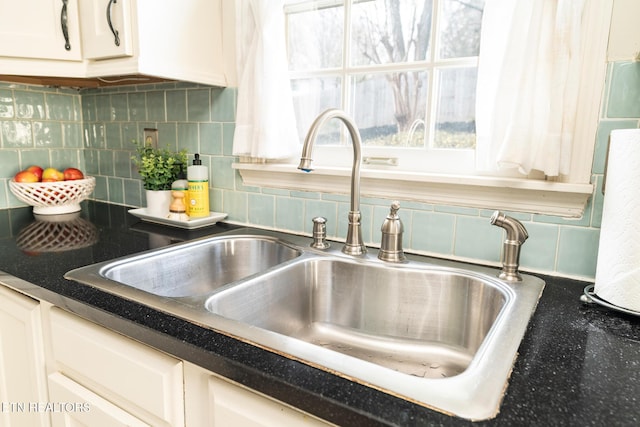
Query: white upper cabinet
[(180, 40), (106, 28), (176, 40), (45, 29)]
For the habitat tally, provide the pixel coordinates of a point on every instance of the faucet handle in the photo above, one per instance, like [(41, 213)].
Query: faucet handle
[(319, 233), (393, 212)]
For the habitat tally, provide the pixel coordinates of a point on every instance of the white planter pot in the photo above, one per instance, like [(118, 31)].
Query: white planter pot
[(158, 202)]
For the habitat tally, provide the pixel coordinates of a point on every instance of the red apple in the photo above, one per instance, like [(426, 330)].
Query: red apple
[(71, 174), (25, 176), (36, 170), (52, 174)]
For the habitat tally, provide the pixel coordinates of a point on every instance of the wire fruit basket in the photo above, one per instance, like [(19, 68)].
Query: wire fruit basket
[(53, 198)]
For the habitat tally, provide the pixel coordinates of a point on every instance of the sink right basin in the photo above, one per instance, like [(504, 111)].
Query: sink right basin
[(425, 323), (442, 337)]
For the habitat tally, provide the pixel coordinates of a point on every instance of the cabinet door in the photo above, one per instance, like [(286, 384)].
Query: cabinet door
[(78, 406), (139, 379), (44, 29), (22, 371), (106, 28), (213, 401)]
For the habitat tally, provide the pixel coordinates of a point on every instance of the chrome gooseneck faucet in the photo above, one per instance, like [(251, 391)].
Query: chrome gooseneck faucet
[(353, 244)]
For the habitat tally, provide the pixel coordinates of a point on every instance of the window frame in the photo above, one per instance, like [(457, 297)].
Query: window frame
[(566, 196), (416, 160)]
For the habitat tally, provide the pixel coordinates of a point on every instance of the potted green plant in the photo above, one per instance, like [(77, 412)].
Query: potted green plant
[(159, 168)]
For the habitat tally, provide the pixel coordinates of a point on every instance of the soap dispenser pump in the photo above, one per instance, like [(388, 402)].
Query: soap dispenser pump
[(391, 243)]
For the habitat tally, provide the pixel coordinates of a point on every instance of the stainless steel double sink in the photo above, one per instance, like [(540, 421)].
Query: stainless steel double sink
[(441, 334)]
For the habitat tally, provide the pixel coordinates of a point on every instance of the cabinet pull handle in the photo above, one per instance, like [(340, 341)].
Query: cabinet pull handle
[(113, 30), (63, 23)]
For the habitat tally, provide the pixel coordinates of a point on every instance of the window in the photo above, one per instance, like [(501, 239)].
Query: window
[(406, 71), (412, 99)]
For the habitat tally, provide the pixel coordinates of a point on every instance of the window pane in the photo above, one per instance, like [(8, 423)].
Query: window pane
[(455, 119), (386, 32), (315, 38), (310, 98), (390, 108), (397, 94), (460, 28)]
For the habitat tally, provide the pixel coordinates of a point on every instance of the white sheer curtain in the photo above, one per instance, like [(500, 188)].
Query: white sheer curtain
[(531, 55), (265, 120)]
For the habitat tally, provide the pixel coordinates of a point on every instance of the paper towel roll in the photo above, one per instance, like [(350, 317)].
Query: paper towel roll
[(618, 266)]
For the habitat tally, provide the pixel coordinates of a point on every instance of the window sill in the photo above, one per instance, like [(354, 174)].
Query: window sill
[(510, 194)]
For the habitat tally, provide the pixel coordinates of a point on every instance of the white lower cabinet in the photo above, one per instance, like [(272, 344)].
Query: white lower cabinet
[(22, 375), (214, 401), (57, 369), (75, 405), (138, 379)]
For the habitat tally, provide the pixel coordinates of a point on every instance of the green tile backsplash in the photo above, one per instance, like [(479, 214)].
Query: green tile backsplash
[(92, 129), (624, 93), (37, 126)]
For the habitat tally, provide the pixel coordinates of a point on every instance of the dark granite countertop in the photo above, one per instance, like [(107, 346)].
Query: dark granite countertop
[(578, 364)]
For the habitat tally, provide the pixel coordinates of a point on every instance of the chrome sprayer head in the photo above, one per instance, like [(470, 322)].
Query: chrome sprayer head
[(516, 235)]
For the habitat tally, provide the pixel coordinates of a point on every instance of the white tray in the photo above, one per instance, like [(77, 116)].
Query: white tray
[(190, 224)]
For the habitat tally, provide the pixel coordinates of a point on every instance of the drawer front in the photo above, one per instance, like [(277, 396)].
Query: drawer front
[(141, 380), (81, 407), (214, 401)]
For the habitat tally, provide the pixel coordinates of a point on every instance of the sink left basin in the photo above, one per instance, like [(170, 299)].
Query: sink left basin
[(192, 269)]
